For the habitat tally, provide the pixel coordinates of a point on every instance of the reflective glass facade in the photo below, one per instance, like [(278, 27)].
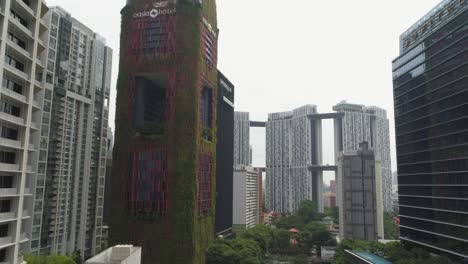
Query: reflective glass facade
[(431, 116)]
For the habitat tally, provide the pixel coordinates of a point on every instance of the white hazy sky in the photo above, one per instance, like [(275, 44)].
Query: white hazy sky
[(284, 54)]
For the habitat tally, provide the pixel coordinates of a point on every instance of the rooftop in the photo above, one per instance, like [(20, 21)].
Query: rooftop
[(369, 257), (120, 254)]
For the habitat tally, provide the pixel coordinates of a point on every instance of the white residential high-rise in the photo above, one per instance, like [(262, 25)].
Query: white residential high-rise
[(23, 52), (76, 152), (293, 146), (242, 149), (245, 200), (369, 124)]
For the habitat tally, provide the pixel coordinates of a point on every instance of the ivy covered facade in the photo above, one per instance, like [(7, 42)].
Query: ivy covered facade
[(163, 180)]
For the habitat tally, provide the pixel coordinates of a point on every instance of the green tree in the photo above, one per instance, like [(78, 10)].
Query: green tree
[(30, 259), (261, 234), (308, 211), (390, 227), (221, 251), (300, 259), (288, 222), (243, 251), (76, 256), (248, 251), (314, 235), (281, 241), (332, 213)]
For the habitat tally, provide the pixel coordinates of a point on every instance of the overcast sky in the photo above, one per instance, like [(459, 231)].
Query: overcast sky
[(284, 54)]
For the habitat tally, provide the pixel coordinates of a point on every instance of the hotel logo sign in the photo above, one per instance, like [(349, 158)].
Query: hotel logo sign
[(158, 9)]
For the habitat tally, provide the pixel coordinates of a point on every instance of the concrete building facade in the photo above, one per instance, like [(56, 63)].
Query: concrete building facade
[(361, 123), (76, 160), (245, 202), (23, 55), (358, 183), (120, 254), (242, 148), (293, 145)]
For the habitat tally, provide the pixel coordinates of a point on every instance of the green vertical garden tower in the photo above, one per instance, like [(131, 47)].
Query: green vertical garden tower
[(163, 178)]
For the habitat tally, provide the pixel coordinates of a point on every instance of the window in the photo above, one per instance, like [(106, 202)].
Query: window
[(150, 106), (206, 112), (4, 230), (5, 206), (17, 40), (13, 62), (13, 86), (7, 157), (9, 133), (19, 18), (6, 182), (3, 253), (11, 109)]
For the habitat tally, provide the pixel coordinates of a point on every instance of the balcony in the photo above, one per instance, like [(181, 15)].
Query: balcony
[(34, 126), (17, 50), (23, 237), (38, 84), (39, 62), (36, 104), (25, 9), (23, 29), (17, 72), (12, 119), (25, 214), (8, 192), (7, 216), (9, 167), (10, 143), (14, 95), (31, 147), (5, 241)]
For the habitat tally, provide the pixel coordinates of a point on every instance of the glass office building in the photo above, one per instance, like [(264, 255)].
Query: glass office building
[(431, 116)]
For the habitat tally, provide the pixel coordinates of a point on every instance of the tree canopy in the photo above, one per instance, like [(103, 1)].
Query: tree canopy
[(30, 259), (393, 251)]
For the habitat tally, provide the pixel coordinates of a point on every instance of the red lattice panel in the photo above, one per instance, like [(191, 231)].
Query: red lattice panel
[(205, 176), (148, 181)]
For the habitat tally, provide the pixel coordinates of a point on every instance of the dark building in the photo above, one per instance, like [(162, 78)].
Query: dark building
[(163, 180), (430, 80), (224, 157), (360, 196)]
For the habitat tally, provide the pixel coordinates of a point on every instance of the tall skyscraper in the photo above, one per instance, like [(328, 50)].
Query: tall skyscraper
[(242, 149), (163, 189), (224, 157), (293, 145), (370, 124), (76, 158), (359, 195), (431, 117), (23, 52)]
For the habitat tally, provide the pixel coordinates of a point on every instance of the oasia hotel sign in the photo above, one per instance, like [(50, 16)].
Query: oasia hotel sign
[(158, 9)]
